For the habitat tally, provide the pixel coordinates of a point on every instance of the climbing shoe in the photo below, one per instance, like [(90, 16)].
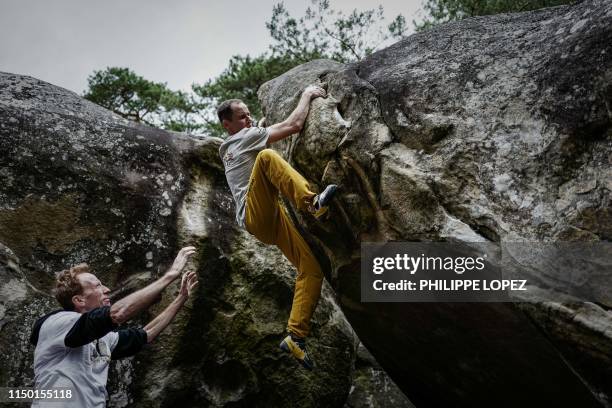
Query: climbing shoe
[(297, 348), (321, 201)]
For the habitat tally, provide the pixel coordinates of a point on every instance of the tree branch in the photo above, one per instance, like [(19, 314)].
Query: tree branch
[(343, 43)]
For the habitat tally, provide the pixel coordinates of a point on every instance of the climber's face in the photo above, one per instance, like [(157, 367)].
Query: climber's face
[(241, 118), (93, 293)]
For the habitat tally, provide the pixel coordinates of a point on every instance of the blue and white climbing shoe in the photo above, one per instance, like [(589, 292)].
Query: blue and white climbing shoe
[(321, 201)]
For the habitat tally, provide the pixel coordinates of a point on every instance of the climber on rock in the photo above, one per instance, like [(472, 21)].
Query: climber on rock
[(256, 175), (75, 345)]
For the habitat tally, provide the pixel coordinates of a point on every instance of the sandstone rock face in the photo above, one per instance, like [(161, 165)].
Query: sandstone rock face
[(491, 129), (81, 184), (372, 388)]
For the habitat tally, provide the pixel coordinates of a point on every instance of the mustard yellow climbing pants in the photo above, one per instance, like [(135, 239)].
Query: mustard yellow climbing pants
[(268, 221)]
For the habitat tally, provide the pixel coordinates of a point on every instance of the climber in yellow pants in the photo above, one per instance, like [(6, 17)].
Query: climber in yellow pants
[(256, 175), (270, 175)]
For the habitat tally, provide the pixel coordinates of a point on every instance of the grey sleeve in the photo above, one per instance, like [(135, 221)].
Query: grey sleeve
[(255, 139)]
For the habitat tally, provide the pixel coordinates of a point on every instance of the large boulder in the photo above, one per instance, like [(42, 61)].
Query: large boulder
[(495, 129), (80, 184)]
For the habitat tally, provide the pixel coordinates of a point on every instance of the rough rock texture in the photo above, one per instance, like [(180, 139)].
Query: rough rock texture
[(372, 388), (490, 129), (81, 184)]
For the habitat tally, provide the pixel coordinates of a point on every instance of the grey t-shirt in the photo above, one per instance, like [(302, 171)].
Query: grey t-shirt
[(238, 153), (83, 370)]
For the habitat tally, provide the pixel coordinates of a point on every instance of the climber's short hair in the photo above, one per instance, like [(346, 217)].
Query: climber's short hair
[(224, 110), (67, 285)]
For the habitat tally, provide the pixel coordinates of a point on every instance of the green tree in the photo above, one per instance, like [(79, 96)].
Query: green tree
[(326, 33), (133, 97), (183, 112), (320, 33), (442, 11)]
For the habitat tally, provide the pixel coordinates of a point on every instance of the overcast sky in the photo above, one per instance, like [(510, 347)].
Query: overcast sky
[(178, 42)]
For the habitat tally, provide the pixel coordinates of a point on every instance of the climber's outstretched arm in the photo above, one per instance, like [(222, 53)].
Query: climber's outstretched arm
[(295, 121), (134, 303), (159, 323)]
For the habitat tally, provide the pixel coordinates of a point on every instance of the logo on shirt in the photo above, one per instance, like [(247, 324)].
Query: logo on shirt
[(228, 157), (100, 352)]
